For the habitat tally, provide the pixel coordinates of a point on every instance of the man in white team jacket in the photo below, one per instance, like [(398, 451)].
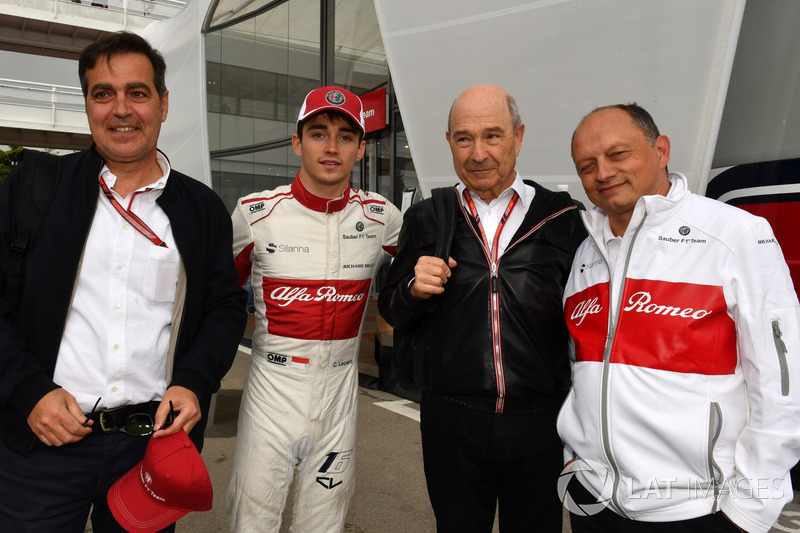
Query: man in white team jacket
[(684, 413)]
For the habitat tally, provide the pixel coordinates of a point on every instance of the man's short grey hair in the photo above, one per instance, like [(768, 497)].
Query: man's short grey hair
[(516, 120)]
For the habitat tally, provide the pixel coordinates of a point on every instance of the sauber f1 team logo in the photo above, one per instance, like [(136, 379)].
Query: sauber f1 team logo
[(335, 464)]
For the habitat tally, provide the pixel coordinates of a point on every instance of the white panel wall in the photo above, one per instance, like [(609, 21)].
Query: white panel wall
[(560, 59), (184, 135)]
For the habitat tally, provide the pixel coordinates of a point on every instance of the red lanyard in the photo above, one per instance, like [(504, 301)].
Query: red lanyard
[(503, 219), (131, 217)]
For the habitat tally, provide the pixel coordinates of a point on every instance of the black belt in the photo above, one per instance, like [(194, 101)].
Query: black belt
[(111, 420)]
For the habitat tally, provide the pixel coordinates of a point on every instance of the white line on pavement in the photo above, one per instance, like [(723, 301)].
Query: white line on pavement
[(400, 407)]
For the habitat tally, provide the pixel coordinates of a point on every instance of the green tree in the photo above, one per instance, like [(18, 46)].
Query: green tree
[(8, 160)]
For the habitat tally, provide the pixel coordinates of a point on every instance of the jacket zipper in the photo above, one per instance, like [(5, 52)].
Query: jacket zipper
[(494, 301), (780, 347), (612, 332), (714, 471), (499, 371)]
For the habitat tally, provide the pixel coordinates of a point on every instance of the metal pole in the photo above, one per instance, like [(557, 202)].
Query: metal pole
[(53, 105)]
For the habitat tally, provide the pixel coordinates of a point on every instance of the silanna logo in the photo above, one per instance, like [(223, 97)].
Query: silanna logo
[(587, 266), (287, 248)]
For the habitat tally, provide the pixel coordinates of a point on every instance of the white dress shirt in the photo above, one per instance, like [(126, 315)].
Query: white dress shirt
[(491, 213), (117, 334)]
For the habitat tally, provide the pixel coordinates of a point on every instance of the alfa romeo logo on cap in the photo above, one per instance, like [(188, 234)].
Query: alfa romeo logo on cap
[(335, 97)]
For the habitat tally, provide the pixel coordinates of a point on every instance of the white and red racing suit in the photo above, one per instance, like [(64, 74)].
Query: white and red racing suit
[(685, 394), (312, 261)]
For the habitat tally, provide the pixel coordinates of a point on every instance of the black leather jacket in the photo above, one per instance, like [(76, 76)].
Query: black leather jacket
[(527, 364)]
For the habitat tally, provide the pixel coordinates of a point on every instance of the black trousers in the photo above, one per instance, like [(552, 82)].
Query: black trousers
[(609, 521), (477, 463), (53, 489)]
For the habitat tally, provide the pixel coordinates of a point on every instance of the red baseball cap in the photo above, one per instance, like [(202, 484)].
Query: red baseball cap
[(169, 482), (334, 99)]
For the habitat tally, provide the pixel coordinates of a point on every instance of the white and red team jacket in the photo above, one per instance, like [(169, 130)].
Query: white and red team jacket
[(686, 382), (312, 263)]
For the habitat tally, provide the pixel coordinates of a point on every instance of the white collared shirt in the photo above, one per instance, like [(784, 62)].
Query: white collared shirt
[(613, 243), (491, 213), (117, 334)]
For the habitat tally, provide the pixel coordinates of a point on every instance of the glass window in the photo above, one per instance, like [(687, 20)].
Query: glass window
[(405, 173), (360, 60), (259, 71), (240, 175)]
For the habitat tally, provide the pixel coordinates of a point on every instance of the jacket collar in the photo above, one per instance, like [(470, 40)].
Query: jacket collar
[(316, 203)]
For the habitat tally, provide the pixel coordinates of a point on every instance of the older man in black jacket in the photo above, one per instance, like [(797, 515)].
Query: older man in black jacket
[(496, 349)]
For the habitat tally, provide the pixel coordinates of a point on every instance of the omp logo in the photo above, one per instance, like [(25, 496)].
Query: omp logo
[(640, 303), (277, 358), (335, 464), (255, 208), (376, 209), (584, 308), (288, 248), (287, 295), (589, 469)]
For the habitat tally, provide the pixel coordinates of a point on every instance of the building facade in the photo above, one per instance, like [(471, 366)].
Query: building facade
[(263, 59)]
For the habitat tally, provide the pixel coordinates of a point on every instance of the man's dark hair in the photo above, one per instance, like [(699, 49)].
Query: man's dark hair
[(330, 115), (643, 120), (122, 42)]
